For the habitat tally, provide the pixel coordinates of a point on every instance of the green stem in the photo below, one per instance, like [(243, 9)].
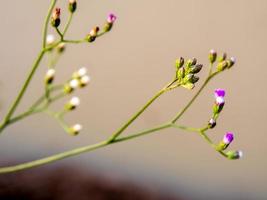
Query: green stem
[(52, 5), (144, 132), (24, 87), (60, 34), (74, 41), (185, 128), (193, 98), (68, 24), (136, 115), (76, 151)]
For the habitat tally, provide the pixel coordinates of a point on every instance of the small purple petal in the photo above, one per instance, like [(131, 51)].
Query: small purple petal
[(228, 138), (111, 18), (219, 93)]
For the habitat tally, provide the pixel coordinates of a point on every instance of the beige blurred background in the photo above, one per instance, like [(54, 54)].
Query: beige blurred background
[(127, 67)]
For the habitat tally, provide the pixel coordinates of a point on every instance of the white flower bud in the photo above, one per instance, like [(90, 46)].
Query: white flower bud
[(73, 103), (84, 80), (74, 83), (75, 129), (80, 73), (50, 39), (50, 75)]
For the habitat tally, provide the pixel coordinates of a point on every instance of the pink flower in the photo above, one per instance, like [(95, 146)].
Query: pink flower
[(111, 18)]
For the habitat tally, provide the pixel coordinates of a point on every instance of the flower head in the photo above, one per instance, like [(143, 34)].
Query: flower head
[(73, 103), (75, 129), (50, 39), (111, 18), (49, 76), (212, 56), (228, 138), (234, 154), (219, 92), (55, 20)]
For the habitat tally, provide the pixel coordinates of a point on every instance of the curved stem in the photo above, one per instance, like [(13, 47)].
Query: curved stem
[(60, 34), (52, 5)]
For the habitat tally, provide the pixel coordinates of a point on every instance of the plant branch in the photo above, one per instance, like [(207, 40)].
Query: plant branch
[(52, 5), (67, 24), (76, 151)]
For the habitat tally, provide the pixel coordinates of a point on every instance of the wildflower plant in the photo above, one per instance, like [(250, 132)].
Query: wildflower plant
[(185, 76)]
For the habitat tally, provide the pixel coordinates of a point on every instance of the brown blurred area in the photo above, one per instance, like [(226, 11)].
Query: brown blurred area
[(128, 66), (70, 183)]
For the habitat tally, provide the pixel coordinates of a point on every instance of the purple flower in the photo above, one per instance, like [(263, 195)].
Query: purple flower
[(219, 93), (111, 18), (228, 138)]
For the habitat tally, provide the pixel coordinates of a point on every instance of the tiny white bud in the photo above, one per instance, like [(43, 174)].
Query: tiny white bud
[(49, 77), (74, 83), (75, 129), (240, 153), (85, 80), (50, 39), (82, 71), (50, 72), (75, 101)]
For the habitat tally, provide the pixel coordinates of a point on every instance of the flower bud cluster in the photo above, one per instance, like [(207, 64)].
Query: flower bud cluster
[(185, 72), (79, 79), (223, 62)]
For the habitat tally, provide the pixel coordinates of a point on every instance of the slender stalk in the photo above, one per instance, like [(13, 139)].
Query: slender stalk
[(51, 7), (157, 128), (190, 129), (74, 41), (193, 98), (136, 115), (60, 34), (24, 87), (67, 24)]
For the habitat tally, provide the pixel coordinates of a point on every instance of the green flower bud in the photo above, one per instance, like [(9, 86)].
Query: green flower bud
[(230, 62), (222, 57), (180, 73), (189, 86), (194, 61), (72, 6), (179, 62), (222, 65), (212, 56), (195, 69), (234, 154), (189, 63), (194, 79)]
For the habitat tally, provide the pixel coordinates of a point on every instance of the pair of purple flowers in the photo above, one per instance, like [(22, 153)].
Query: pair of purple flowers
[(219, 103), (229, 136)]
